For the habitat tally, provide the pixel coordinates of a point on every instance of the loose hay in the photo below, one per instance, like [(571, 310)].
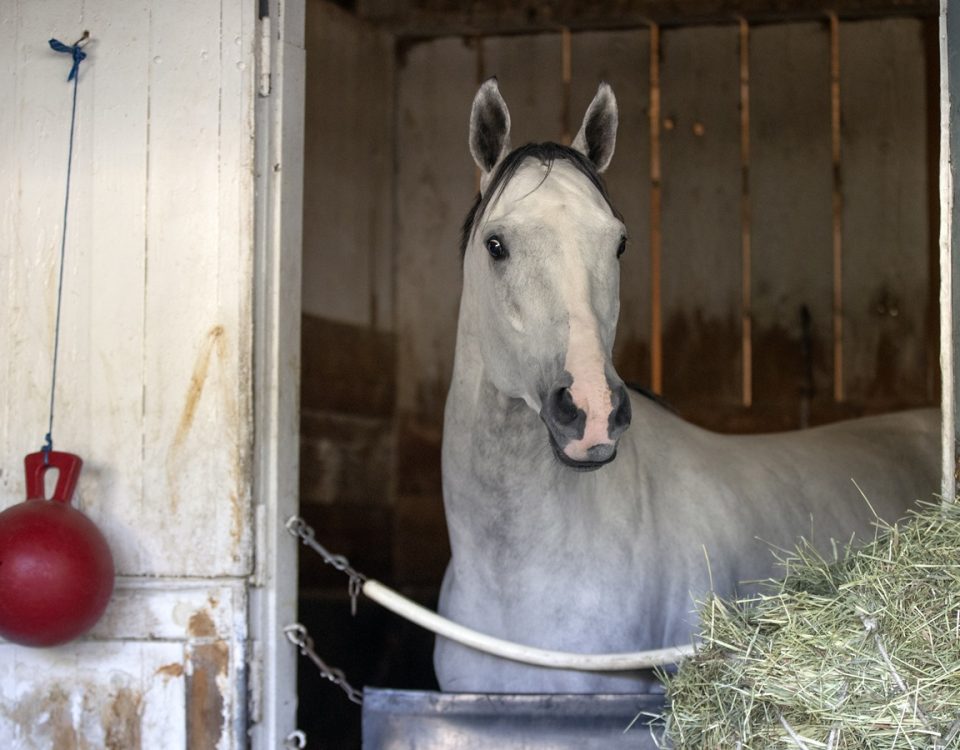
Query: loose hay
[(857, 653)]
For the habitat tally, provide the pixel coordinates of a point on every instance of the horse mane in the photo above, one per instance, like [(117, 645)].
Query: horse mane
[(546, 153)]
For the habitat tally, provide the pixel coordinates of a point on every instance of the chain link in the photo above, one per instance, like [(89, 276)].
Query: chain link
[(298, 635), (296, 740), (303, 531)]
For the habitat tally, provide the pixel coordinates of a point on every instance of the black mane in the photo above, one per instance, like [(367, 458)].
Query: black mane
[(546, 154)]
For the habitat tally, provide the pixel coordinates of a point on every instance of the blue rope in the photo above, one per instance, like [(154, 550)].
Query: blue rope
[(78, 56)]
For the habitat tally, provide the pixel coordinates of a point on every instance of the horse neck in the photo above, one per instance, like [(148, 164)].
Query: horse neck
[(498, 467)]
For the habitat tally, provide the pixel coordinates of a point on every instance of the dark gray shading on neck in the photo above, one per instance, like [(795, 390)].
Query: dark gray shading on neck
[(648, 394), (546, 154)]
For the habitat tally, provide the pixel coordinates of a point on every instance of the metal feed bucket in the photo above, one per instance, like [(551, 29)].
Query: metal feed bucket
[(414, 720)]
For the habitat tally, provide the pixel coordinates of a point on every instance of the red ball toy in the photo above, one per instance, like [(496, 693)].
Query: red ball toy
[(56, 570)]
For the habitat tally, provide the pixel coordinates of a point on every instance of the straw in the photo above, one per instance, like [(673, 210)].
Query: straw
[(859, 652)]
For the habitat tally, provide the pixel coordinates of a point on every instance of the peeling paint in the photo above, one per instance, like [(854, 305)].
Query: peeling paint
[(201, 625), (122, 721), (170, 671), (85, 717), (205, 699)]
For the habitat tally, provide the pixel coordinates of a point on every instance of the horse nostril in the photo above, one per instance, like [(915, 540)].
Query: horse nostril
[(620, 418), (563, 410)]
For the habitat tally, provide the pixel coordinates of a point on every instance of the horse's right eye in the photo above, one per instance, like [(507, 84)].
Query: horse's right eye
[(496, 248)]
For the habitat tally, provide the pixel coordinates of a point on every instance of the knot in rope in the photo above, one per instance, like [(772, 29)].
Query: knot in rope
[(76, 50)]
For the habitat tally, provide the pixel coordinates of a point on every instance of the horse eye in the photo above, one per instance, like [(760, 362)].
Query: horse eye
[(496, 248), (622, 248)]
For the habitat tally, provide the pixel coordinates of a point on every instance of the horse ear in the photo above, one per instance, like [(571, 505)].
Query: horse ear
[(489, 127), (598, 134)]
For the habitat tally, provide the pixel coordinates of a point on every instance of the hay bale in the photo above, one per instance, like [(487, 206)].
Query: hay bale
[(856, 653)]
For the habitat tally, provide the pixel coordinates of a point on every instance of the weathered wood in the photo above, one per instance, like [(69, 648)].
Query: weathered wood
[(790, 189), (949, 33), (347, 368), (428, 18), (106, 695), (154, 386), (348, 143), (162, 655), (435, 184), (701, 218), (885, 219), (197, 299), (529, 71)]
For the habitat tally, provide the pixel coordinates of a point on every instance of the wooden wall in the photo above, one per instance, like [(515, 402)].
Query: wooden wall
[(154, 388)]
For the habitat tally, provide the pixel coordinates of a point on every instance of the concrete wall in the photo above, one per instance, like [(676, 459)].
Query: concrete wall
[(154, 388)]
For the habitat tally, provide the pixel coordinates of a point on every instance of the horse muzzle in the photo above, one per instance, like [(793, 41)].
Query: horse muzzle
[(581, 438)]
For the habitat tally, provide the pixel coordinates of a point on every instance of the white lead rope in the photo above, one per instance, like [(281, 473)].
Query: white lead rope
[(620, 662), (400, 605)]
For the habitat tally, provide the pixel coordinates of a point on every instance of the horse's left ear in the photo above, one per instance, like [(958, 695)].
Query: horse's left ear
[(598, 134)]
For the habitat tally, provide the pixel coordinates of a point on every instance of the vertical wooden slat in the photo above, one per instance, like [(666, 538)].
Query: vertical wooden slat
[(838, 385), (885, 216), (197, 285), (117, 225), (348, 200), (745, 220), (792, 234), (656, 212), (949, 34), (527, 67), (701, 268), (932, 347), (566, 74), (434, 187)]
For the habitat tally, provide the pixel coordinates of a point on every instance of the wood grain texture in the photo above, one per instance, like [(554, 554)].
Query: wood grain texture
[(885, 218), (700, 144), (790, 188)]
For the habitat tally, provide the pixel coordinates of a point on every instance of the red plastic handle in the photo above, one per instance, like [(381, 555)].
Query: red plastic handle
[(69, 467)]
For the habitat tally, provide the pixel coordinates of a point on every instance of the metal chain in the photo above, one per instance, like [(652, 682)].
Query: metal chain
[(302, 530), (296, 740), (298, 635)]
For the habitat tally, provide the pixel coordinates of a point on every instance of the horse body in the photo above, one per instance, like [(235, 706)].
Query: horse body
[(569, 531)]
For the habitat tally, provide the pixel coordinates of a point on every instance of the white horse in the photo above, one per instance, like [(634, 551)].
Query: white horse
[(568, 531)]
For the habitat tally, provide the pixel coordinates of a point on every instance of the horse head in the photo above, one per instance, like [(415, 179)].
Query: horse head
[(541, 276)]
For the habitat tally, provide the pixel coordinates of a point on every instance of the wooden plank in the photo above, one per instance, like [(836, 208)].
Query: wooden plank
[(109, 695), (37, 123), (427, 18), (347, 189), (701, 219), (790, 189), (622, 59), (529, 69), (885, 218), (196, 314), (435, 184), (114, 176), (949, 38)]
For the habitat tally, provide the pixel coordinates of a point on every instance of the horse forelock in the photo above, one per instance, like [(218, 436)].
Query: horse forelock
[(547, 154)]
